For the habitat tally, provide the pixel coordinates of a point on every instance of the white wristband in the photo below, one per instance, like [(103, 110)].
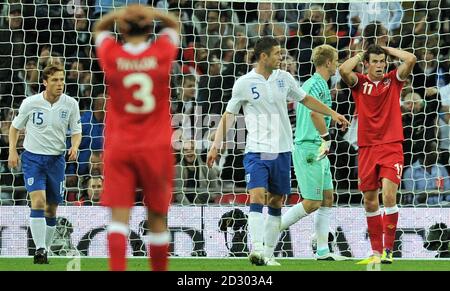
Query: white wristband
[(325, 136)]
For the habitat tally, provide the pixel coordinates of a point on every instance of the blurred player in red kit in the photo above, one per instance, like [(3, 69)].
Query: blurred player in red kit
[(138, 133), (380, 137)]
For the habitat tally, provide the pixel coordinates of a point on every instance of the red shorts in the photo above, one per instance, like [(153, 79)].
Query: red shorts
[(377, 162), (150, 170)]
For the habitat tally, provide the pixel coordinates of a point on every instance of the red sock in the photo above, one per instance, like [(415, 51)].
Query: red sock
[(117, 244), (158, 257), (389, 227), (375, 225)]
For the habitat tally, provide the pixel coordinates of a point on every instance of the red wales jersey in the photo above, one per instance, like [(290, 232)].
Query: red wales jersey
[(378, 107), (138, 77)]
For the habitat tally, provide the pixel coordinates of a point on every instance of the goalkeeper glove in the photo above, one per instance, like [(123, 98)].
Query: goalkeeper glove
[(324, 148)]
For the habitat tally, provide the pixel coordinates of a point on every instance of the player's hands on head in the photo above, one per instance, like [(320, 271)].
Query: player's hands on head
[(13, 159), (386, 49), (135, 13), (360, 56)]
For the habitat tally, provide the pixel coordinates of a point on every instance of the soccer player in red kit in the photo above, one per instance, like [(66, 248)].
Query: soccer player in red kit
[(380, 137), (138, 149)]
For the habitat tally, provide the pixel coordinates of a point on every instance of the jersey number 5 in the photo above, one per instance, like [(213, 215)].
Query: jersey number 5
[(143, 94)]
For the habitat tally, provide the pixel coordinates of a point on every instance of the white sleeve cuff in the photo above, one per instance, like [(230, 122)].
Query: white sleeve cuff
[(16, 124), (302, 94), (172, 34), (101, 37)]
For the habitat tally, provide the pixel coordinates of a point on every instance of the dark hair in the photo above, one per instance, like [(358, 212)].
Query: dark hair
[(134, 29), (373, 49), (50, 70), (264, 45)]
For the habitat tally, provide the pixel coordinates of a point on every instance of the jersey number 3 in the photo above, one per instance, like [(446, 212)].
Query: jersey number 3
[(143, 94)]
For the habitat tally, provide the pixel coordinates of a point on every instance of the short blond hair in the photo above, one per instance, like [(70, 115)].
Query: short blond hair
[(322, 54)]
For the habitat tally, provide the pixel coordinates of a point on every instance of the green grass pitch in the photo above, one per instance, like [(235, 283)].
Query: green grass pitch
[(219, 264)]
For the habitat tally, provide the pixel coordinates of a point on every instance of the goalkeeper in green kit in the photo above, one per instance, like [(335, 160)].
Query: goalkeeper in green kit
[(311, 146)]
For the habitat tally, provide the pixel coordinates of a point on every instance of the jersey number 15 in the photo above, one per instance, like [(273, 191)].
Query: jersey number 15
[(143, 94)]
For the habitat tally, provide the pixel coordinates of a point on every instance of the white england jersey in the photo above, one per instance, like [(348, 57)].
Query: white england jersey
[(265, 109), (46, 125)]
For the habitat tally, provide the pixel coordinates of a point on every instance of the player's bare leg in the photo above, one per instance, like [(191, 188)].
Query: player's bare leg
[(158, 239), (37, 225), (322, 226), (256, 225), (390, 218), (117, 238), (50, 220), (272, 227), (375, 226)]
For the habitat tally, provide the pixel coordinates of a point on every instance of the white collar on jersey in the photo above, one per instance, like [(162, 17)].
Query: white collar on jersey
[(273, 75), (135, 48)]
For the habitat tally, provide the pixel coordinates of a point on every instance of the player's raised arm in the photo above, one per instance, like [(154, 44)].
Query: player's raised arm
[(225, 123), (167, 19), (346, 69), (135, 14), (107, 21), (408, 59)]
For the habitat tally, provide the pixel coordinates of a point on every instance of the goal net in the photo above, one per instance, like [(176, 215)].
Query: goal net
[(208, 213)]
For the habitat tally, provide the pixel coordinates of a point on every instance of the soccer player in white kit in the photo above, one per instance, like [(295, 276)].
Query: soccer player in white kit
[(263, 94), (46, 117)]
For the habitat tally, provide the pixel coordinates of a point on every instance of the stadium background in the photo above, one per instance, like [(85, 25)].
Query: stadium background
[(217, 37)]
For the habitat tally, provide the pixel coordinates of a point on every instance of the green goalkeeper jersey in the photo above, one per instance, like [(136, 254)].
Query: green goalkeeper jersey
[(305, 130)]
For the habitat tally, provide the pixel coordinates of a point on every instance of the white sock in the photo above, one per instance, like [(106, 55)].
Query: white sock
[(49, 232), (118, 227), (37, 226), (322, 226), (390, 210), (158, 239), (271, 233), (256, 230), (294, 214)]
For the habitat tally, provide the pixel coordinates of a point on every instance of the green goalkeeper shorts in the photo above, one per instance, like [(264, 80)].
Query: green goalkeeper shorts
[(313, 176)]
